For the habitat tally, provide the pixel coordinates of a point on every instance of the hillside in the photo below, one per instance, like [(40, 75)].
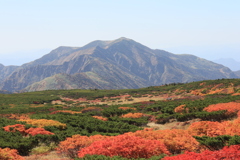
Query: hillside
[(117, 64), (179, 117)]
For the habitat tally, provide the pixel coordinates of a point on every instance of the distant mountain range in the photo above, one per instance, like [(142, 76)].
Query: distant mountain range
[(237, 73), (117, 64), (229, 62)]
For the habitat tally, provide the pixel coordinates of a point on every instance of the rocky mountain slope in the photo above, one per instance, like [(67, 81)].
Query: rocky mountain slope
[(117, 64)]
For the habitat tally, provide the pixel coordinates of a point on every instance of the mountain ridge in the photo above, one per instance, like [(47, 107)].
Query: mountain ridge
[(120, 63)]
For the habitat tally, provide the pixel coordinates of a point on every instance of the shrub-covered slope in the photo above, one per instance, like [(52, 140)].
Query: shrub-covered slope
[(198, 118)]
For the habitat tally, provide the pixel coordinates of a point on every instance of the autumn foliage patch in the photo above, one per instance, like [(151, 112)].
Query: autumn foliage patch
[(100, 118), (73, 144), (212, 129), (176, 140), (133, 115), (227, 153), (125, 146), (44, 122), (25, 132), (10, 154), (180, 109), (231, 107)]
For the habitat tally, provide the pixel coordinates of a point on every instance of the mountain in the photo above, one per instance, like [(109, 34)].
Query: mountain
[(237, 73), (229, 62), (5, 71), (117, 64)]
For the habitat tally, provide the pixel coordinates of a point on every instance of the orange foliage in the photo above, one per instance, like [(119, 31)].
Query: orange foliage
[(72, 145), (229, 90), (206, 128), (35, 131), (44, 122), (238, 114), (133, 115), (125, 146), (176, 140), (126, 108), (232, 127), (100, 118), (235, 94), (24, 132), (15, 127), (180, 108), (215, 91), (10, 154), (198, 92), (218, 86), (214, 129), (231, 107)]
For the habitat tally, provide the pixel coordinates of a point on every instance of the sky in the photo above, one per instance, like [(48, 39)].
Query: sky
[(209, 29)]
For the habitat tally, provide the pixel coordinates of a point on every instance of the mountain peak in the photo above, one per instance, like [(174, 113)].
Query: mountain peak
[(106, 43), (121, 39)]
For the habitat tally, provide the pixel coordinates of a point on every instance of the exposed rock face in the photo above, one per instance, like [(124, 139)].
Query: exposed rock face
[(122, 63)]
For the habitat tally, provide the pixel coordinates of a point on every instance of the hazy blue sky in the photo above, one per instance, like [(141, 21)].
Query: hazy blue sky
[(207, 28)]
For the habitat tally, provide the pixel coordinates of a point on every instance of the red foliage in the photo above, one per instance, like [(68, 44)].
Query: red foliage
[(227, 153), (35, 131), (125, 146), (24, 132), (10, 154), (72, 145), (15, 127)]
